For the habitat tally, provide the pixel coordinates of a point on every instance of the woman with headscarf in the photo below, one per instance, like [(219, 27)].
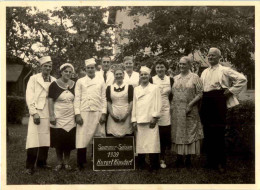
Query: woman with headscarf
[(187, 131), (62, 117), (119, 102)]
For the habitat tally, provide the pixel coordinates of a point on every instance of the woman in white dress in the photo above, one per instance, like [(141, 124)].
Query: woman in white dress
[(62, 117), (164, 83), (131, 77), (119, 102), (145, 115)]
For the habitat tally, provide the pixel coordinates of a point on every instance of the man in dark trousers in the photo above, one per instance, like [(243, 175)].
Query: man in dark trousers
[(221, 85)]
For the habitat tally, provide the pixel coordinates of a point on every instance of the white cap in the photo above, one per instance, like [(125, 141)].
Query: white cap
[(44, 59), (90, 61), (145, 69), (67, 64)]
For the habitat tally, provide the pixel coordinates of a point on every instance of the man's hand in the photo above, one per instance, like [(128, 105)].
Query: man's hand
[(103, 118), (52, 120), (153, 122), (228, 93), (79, 119), (36, 119)]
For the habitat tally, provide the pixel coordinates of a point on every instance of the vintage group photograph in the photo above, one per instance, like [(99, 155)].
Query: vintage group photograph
[(130, 95)]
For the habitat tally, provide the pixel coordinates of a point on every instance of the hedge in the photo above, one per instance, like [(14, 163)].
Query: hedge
[(240, 133), (15, 109)]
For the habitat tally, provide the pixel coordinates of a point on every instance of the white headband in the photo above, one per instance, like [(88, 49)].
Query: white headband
[(67, 64), (90, 61), (145, 69), (44, 59)]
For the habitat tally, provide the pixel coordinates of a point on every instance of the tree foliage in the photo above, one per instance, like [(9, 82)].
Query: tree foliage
[(176, 31), (67, 34)]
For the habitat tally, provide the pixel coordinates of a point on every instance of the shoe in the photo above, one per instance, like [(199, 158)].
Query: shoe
[(162, 164), (29, 171), (67, 167), (58, 167), (179, 163), (80, 168), (47, 167)]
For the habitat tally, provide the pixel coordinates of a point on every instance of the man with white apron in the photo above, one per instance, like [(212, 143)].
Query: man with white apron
[(90, 109), (38, 136), (145, 114)]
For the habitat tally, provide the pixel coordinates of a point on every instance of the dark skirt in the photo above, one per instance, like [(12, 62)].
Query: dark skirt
[(62, 139)]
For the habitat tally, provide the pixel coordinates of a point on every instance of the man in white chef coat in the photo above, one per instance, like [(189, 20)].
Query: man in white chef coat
[(145, 114), (90, 109), (220, 87), (105, 72), (38, 136)]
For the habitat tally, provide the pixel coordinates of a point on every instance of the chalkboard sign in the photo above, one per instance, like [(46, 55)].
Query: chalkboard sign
[(113, 153)]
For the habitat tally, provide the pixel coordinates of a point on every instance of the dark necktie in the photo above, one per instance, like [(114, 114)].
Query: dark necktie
[(105, 76)]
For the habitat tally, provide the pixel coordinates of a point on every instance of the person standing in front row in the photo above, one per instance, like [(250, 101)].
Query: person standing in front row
[(62, 117), (145, 115), (38, 136), (119, 102), (131, 77), (220, 86), (90, 109), (164, 83), (187, 131), (105, 72)]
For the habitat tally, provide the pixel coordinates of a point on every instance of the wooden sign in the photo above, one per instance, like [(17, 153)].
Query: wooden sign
[(113, 153)]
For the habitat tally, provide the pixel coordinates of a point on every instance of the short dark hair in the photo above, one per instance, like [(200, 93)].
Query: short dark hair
[(161, 61)]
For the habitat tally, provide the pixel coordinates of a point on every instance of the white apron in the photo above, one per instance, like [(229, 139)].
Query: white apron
[(120, 107), (89, 129), (147, 139), (39, 135), (165, 89)]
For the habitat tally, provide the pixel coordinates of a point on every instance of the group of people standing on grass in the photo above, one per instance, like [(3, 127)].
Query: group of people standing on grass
[(161, 112)]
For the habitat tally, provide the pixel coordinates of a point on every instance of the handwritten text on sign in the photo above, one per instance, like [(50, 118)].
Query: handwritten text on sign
[(113, 153)]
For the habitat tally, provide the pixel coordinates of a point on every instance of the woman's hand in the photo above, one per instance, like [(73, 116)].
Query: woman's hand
[(79, 119), (52, 120), (188, 109), (115, 118), (124, 118)]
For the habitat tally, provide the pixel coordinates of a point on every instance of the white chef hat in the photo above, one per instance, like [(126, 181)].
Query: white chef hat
[(66, 64), (90, 61), (145, 69), (44, 59)]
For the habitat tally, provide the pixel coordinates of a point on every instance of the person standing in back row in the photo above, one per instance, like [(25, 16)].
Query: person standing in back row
[(38, 136), (220, 87), (105, 72)]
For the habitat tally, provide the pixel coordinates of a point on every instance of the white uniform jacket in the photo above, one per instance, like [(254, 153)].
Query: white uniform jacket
[(90, 95), (110, 77), (147, 103), (37, 102), (133, 80), (231, 79)]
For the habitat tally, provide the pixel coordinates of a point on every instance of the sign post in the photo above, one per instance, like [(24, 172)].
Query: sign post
[(113, 153)]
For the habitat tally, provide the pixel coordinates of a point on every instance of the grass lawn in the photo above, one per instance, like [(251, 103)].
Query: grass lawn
[(239, 169)]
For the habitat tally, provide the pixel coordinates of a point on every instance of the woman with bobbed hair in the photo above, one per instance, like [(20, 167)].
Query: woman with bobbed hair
[(187, 131), (61, 109), (164, 83)]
